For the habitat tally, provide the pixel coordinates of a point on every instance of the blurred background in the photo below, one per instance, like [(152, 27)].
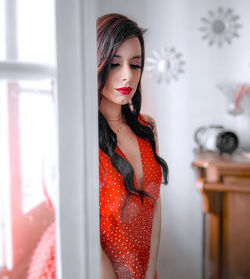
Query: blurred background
[(28, 131), (205, 48), (196, 75)]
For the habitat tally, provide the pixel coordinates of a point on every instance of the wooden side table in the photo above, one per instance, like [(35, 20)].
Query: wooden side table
[(224, 183)]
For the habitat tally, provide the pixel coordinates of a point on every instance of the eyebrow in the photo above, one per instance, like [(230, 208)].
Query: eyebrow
[(134, 57)]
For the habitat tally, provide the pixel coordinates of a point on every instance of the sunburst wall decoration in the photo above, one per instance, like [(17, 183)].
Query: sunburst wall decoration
[(165, 65), (220, 26)]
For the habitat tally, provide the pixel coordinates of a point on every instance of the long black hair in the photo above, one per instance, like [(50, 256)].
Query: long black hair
[(112, 31)]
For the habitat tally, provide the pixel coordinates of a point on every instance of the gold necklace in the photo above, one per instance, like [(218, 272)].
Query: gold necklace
[(117, 129)]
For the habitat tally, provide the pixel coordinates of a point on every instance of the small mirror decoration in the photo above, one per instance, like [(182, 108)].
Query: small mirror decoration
[(165, 65), (220, 26)]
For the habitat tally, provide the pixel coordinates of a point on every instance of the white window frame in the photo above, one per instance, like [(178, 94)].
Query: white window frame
[(77, 211)]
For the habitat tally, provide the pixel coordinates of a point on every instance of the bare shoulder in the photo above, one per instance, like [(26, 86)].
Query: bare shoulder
[(151, 121)]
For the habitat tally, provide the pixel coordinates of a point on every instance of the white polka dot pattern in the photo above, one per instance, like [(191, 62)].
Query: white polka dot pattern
[(126, 240)]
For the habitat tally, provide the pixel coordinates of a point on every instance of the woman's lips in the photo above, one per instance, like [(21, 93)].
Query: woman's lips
[(124, 90)]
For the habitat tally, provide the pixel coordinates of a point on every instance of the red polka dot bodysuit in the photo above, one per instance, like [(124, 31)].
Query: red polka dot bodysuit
[(126, 239)]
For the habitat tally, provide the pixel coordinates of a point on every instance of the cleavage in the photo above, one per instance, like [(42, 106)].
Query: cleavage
[(130, 148)]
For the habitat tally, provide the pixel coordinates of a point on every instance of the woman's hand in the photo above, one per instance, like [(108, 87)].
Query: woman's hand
[(107, 269)]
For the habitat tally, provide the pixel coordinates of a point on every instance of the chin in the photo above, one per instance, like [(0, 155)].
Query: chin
[(125, 102)]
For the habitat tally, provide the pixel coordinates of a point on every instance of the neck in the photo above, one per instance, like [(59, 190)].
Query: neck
[(110, 111)]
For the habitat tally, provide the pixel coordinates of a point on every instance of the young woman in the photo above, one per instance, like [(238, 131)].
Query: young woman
[(130, 171)]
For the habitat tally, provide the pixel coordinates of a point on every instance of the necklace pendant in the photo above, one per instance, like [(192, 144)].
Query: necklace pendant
[(119, 130)]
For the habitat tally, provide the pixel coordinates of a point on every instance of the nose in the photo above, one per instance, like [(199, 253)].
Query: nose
[(127, 73)]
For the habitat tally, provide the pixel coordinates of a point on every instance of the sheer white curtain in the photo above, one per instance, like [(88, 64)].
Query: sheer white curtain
[(78, 142)]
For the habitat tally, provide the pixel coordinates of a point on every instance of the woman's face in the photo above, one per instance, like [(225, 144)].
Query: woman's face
[(124, 74)]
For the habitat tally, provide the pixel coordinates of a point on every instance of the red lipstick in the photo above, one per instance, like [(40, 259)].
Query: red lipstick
[(124, 90)]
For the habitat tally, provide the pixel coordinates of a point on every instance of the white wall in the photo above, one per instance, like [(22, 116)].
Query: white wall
[(184, 105)]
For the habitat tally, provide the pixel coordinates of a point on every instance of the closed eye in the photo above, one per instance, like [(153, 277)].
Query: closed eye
[(135, 66), (132, 66), (114, 65)]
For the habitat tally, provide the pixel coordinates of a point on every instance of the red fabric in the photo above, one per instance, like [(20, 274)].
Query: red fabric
[(126, 240), (43, 262)]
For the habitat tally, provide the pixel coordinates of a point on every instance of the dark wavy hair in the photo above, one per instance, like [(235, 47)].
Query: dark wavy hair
[(112, 31)]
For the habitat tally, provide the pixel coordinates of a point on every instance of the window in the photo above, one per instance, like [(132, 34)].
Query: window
[(27, 72), (28, 144)]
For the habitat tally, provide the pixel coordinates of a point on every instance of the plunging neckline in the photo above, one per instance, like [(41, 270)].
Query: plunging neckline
[(125, 157)]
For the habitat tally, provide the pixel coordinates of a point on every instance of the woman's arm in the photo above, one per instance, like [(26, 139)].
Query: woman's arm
[(107, 270), (156, 226), (155, 241)]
